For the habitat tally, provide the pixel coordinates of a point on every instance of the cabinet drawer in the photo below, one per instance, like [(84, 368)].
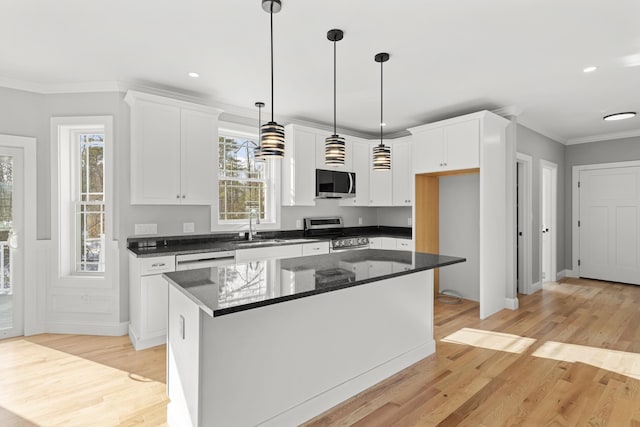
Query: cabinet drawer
[(404, 244), (315, 248), (157, 265)]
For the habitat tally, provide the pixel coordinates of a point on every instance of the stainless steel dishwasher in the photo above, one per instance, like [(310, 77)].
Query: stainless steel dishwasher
[(205, 260)]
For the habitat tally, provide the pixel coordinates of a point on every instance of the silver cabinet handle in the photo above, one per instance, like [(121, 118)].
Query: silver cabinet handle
[(158, 264)]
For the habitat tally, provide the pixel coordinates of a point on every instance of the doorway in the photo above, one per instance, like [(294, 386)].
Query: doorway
[(11, 227), (524, 170), (548, 220)]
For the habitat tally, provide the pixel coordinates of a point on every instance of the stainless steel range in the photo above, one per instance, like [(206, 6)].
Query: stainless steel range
[(333, 227)]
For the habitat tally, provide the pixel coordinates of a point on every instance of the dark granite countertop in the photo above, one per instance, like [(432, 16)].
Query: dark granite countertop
[(243, 286), (180, 245)]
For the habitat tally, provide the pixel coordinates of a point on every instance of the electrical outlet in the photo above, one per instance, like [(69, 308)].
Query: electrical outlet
[(359, 221), (298, 223), (145, 229), (188, 227), (409, 222)]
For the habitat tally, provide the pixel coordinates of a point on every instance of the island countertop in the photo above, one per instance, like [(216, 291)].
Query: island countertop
[(244, 286)]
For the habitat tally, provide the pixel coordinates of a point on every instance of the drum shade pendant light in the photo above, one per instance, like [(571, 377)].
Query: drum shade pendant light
[(381, 152), (334, 145), (272, 134), (257, 151)]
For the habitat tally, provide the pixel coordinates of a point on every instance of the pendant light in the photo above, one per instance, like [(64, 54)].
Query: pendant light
[(257, 151), (381, 153), (334, 146), (272, 134)]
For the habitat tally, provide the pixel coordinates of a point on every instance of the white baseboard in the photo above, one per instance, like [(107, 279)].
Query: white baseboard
[(114, 329), (563, 274), (511, 303), (340, 393), (140, 344), (535, 287)]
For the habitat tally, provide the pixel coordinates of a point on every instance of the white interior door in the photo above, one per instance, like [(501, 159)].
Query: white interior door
[(548, 219), (11, 241), (609, 231)]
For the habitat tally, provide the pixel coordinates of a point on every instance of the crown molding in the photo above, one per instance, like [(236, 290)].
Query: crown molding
[(604, 137), (541, 130)]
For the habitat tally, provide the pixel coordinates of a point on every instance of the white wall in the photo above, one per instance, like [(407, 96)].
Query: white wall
[(394, 217), (460, 233)]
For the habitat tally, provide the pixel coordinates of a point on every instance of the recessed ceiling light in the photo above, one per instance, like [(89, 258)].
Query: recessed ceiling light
[(619, 116), (590, 69), (194, 75)]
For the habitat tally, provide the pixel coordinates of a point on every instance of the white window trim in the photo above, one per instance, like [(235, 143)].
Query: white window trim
[(233, 129), (62, 129)]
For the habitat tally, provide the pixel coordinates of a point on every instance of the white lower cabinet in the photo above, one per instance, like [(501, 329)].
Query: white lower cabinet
[(391, 243), (183, 375), (316, 248), (148, 300)]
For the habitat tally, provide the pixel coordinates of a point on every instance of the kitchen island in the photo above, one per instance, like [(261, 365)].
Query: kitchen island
[(277, 342)]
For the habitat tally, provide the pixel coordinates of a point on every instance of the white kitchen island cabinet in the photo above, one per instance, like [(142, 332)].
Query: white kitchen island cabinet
[(246, 349)]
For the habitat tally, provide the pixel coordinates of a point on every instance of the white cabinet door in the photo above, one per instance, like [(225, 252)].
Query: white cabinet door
[(388, 243), (375, 243), (183, 375), (348, 157), (273, 252), (404, 244), (402, 174), (299, 167), (428, 150), (199, 162), (155, 153), (450, 147), (462, 145), (153, 291), (380, 185), (361, 167)]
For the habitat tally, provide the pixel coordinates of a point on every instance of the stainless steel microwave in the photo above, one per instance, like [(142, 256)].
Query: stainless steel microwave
[(335, 184)]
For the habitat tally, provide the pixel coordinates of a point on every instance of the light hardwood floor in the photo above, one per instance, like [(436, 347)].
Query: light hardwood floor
[(569, 356)]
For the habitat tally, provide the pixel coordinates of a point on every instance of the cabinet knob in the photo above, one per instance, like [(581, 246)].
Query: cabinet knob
[(177, 196), (183, 196)]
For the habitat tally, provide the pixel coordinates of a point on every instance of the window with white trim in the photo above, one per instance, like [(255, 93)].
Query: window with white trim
[(246, 186)]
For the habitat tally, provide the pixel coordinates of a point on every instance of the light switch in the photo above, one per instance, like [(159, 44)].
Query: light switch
[(188, 227), (298, 223)]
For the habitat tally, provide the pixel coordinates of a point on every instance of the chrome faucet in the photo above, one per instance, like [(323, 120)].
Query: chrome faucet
[(252, 233)]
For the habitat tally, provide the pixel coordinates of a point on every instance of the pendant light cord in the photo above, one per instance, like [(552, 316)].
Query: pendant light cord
[(334, 88), (381, 101), (271, 16)]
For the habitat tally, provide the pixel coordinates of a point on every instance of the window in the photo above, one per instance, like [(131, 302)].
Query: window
[(89, 202), (81, 199), (245, 184)]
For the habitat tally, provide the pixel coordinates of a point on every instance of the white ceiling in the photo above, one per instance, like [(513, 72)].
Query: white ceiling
[(447, 57)]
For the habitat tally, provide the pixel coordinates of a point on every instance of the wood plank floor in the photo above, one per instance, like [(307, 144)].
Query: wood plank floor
[(569, 356)]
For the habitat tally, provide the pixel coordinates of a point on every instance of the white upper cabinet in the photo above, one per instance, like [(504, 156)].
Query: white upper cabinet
[(348, 157), (173, 151), (299, 167), (402, 173), (361, 167), (448, 145)]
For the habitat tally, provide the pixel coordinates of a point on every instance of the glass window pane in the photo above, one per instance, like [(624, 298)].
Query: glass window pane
[(237, 198)]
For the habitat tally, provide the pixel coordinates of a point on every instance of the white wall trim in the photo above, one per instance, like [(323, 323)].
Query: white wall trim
[(604, 137), (511, 303), (541, 130), (564, 273), (535, 287), (114, 329), (527, 240), (575, 206)]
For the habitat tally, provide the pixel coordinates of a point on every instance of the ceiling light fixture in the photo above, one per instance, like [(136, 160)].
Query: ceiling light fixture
[(381, 153), (334, 146), (590, 69), (619, 116), (257, 151), (194, 75), (272, 133)]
